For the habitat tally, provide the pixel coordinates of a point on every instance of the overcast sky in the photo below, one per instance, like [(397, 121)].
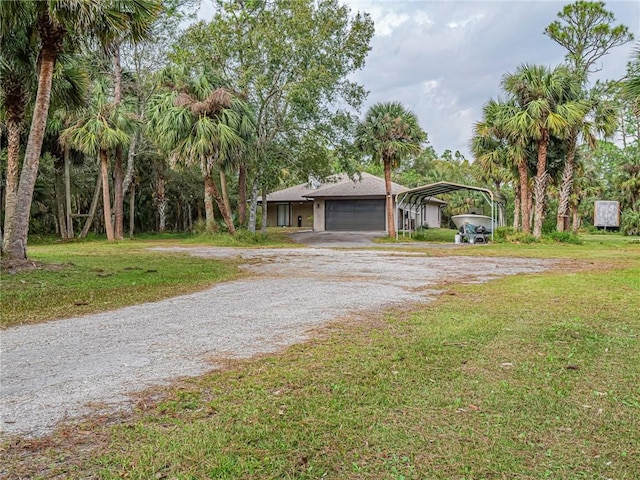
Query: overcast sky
[(444, 59)]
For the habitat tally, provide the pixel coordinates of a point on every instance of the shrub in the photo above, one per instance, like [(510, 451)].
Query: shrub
[(564, 237), (511, 235), (630, 224)]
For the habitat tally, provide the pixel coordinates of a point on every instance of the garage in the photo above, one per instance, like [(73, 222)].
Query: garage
[(355, 215)]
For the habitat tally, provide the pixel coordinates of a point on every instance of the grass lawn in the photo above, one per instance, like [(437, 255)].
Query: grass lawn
[(528, 377), (87, 277)]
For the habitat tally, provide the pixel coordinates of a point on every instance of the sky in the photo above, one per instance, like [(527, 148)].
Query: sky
[(445, 59)]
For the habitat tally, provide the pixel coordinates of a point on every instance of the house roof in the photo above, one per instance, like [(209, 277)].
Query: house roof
[(364, 185), (341, 186)]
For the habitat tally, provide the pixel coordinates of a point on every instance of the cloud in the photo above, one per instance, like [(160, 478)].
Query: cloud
[(446, 58)]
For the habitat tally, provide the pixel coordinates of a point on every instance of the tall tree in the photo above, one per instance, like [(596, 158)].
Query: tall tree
[(292, 62), (587, 31), (60, 24), (388, 134), (498, 147), (103, 127), (199, 122), (545, 108), (18, 52)]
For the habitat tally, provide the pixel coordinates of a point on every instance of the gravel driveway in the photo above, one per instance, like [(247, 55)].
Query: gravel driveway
[(63, 370)]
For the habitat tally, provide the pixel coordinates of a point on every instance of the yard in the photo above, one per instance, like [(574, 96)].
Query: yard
[(528, 376)]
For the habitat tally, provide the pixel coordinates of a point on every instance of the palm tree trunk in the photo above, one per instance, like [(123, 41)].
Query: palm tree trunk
[(58, 189), (118, 171), (132, 208), (13, 160), (67, 194), (215, 194), (540, 187), (391, 224), (16, 240), (576, 218), (106, 197), (253, 208), (208, 203), (242, 195), (161, 202), (517, 208), (265, 212), (523, 175), (224, 191), (562, 220), (118, 195), (92, 208)]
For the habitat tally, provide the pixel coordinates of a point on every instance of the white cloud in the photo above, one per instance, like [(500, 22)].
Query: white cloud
[(466, 21), (386, 21)]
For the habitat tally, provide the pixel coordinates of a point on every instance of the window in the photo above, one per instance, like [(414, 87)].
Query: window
[(283, 215)]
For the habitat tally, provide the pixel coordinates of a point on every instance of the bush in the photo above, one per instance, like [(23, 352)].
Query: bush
[(564, 237), (630, 224), (510, 235)]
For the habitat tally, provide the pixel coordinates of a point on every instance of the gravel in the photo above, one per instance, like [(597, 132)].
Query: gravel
[(64, 370)]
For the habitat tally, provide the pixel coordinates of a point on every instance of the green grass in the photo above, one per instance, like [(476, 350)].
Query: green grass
[(82, 277), (529, 377), (85, 278)]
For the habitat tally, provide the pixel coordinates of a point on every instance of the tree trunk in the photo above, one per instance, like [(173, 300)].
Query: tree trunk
[(132, 208), (118, 195), (13, 162), (118, 169), (92, 208), (67, 194), (540, 187), (58, 190), (16, 240), (161, 202), (106, 197), (265, 207), (253, 207), (126, 183), (523, 175), (225, 192), (517, 209), (242, 195), (391, 224), (562, 220), (208, 204), (211, 186), (576, 218)]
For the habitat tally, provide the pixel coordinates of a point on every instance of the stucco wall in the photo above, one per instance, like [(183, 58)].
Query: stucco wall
[(318, 215), (304, 210)]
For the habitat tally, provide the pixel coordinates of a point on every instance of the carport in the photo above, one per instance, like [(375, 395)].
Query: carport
[(417, 197)]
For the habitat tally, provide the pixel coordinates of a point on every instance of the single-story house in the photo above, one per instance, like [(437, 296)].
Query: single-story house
[(347, 204)]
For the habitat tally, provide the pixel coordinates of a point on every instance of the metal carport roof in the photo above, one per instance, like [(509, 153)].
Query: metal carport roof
[(418, 195)]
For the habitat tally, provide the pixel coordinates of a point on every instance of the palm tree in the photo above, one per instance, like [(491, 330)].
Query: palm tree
[(56, 22), (389, 133), (200, 123), (602, 119), (99, 130), (497, 148), (17, 80), (631, 86), (545, 107)]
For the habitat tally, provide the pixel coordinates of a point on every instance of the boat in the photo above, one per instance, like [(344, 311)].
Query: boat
[(471, 219)]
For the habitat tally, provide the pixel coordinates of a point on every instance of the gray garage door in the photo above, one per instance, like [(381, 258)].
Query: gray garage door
[(354, 215)]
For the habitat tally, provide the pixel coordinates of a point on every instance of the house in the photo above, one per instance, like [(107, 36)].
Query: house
[(345, 204)]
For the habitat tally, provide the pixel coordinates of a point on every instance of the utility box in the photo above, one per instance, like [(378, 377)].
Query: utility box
[(606, 214)]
